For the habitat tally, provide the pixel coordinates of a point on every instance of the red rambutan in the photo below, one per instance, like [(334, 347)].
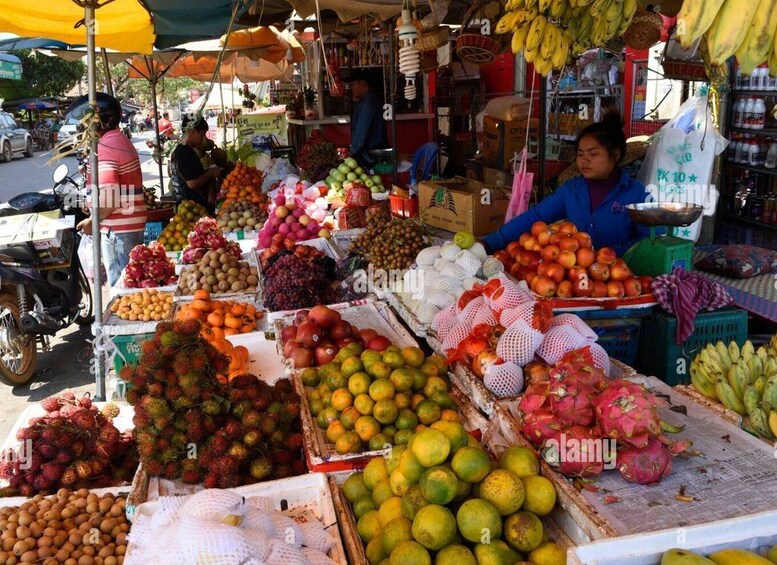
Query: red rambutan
[(211, 480), (155, 389), (229, 481), (51, 404), (85, 402), (133, 396), (83, 469), (282, 471), (278, 438), (191, 477), (233, 429), (153, 467), (281, 457), (226, 465), (171, 470), (295, 442), (69, 477), (190, 327)]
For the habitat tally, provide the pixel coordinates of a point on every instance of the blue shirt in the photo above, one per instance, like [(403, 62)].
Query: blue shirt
[(609, 225), (368, 130)]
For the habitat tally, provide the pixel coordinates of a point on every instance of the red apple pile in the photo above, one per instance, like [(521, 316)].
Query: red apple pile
[(557, 260), (317, 335)]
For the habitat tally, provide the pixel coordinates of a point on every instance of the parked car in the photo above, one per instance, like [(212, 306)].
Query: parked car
[(68, 129), (13, 138)]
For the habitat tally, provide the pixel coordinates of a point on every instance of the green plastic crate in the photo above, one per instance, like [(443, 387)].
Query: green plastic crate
[(619, 337), (661, 357), (128, 349)]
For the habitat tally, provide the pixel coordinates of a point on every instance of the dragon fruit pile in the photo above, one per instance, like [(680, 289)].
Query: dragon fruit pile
[(204, 236), (498, 329), (72, 445), (297, 213), (578, 417), (148, 267)]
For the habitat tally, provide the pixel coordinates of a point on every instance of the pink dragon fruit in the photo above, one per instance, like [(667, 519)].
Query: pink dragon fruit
[(196, 240), (534, 398), (582, 372), (134, 271), (627, 412), (571, 399), (140, 253), (645, 465), (158, 251), (193, 254), (233, 248), (205, 226), (576, 451), (159, 270), (540, 425), (215, 241), (148, 283)]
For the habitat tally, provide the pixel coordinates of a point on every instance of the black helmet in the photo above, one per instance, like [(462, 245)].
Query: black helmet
[(108, 110)]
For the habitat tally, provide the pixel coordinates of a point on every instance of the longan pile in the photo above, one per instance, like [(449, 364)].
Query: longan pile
[(70, 528), (144, 306), (391, 244), (219, 272)]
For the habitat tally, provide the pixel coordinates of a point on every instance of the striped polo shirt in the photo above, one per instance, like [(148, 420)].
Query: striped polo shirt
[(121, 183)]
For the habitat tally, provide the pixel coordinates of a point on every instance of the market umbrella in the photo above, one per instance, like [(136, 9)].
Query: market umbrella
[(38, 105), (265, 42)]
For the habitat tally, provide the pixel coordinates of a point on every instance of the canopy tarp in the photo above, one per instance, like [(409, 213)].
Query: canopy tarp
[(234, 66), (349, 10), (124, 25), (179, 21)]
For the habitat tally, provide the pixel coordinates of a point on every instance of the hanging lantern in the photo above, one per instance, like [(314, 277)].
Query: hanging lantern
[(409, 57)]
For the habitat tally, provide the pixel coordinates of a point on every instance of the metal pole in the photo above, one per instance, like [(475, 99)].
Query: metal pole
[(91, 74), (392, 101), (158, 139), (108, 80)]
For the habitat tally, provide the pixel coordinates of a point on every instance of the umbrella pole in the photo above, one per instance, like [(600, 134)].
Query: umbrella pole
[(91, 76), (108, 79), (158, 139)]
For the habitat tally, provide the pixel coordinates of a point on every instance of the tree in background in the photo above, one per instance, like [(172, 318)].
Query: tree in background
[(49, 76)]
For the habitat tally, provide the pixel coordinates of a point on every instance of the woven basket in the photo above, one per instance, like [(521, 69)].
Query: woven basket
[(431, 40), (429, 61), (475, 47), (644, 31)]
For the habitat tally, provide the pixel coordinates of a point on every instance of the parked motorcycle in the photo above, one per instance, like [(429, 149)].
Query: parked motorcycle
[(38, 299)]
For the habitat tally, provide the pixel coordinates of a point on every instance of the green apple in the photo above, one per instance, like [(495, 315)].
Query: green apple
[(375, 190), (351, 162), (345, 169), (464, 239), (336, 185), (329, 180), (340, 177), (368, 183), (377, 179), (351, 176), (359, 171), (332, 172)]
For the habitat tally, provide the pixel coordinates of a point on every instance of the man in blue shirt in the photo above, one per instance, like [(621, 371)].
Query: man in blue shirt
[(368, 129)]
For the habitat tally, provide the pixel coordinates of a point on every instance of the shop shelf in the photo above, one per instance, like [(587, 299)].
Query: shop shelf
[(764, 131), (759, 170), (744, 220), (660, 356)]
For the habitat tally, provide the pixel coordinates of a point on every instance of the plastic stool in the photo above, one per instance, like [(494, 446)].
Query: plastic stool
[(426, 155)]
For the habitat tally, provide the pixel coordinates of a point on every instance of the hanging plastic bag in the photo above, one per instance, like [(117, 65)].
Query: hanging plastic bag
[(679, 163), (522, 187), (86, 255)]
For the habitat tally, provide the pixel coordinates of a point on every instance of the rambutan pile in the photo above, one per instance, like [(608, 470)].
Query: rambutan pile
[(190, 427), (72, 445)]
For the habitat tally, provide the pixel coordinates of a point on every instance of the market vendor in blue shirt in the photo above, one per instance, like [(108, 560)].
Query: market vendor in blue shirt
[(596, 201), (368, 129)]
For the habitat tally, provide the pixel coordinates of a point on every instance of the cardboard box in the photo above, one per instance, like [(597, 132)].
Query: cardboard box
[(463, 204), (48, 233), (495, 177), (502, 140)]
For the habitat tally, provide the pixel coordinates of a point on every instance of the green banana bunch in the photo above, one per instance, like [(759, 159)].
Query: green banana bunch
[(733, 351), (738, 378), (729, 397), (755, 368), (747, 350), (725, 358), (769, 395), (629, 9), (701, 382), (694, 18), (758, 42)]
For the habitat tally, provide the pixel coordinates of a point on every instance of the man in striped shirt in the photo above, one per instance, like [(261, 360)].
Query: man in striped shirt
[(122, 205)]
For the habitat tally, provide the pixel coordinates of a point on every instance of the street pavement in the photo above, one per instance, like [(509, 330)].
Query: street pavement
[(66, 365)]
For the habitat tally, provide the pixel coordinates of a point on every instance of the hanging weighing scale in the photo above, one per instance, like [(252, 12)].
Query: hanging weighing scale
[(659, 254)]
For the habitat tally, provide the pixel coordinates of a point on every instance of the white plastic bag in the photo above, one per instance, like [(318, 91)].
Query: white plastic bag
[(86, 255), (679, 162)]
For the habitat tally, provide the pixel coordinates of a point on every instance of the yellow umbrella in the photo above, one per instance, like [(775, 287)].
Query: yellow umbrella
[(123, 25)]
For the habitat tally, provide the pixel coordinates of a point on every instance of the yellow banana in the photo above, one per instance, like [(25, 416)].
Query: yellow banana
[(763, 355), (773, 422), (770, 368), (544, 5), (561, 53), (728, 397), (702, 385), (747, 350), (737, 380), (709, 356), (584, 3), (759, 38), (743, 375), (737, 557), (755, 367), (531, 3), (705, 372), (519, 38), (733, 351), (535, 33), (773, 341), (725, 358), (599, 33), (549, 42), (759, 384), (694, 18), (629, 9), (511, 20), (514, 5), (769, 394), (558, 8), (599, 7)]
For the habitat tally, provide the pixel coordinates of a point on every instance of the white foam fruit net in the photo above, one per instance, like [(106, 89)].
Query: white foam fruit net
[(449, 251), (484, 315), (426, 312), (444, 320), (438, 298), (601, 358), (450, 285), (509, 295), (471, 308), (316, 557), (504, 380), (469, 262), (558, 342), (480, 251), (491, 267), (519, 343), (196, 530), (453, 270), (575, 323), (455, 335), (427, 256), (523, 312)]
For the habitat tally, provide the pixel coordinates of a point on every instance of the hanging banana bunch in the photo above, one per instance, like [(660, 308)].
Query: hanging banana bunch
[(551, 31)]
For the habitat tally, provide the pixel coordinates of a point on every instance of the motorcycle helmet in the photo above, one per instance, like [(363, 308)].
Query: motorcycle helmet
[(195, 121), (108, 110)]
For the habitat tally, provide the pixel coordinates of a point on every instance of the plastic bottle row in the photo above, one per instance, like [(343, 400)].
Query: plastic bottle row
[(759, 79), (750, 113), (751, 150)]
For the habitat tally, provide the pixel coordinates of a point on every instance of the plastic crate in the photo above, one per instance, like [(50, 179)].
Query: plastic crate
[(128, 347), (152, 231), (619, 337), (660, 356)]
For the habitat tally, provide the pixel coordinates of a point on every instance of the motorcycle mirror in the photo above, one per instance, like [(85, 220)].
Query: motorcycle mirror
[(60, 173)]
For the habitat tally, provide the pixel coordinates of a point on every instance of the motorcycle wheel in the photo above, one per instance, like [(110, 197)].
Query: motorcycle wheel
[(18, 351), (86, 306)]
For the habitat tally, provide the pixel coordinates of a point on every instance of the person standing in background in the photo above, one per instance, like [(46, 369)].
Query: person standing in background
[(368, 129)]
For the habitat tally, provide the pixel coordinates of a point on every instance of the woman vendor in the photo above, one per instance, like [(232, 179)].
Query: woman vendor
[(595, 202)]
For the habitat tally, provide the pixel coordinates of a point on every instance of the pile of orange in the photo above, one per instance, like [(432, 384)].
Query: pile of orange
[(244, 183)]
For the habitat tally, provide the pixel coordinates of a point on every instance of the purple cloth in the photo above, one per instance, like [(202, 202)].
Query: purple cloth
[(599, 189), (684, 294)]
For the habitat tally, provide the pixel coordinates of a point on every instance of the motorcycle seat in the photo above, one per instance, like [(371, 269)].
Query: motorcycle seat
[(21, 253)]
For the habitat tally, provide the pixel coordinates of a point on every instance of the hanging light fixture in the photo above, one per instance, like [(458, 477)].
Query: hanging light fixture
[(409, 57)]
